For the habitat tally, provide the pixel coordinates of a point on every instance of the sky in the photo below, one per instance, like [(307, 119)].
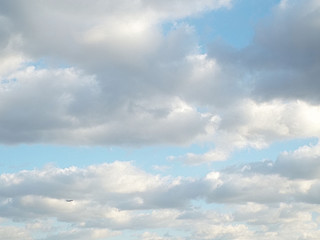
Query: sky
[(160, 120)]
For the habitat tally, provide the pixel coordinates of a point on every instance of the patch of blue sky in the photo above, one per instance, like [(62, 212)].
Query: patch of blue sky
[(28, 157), (166, 27), (150, 159), (6, 83), (44, 63), (235, 26), (38, 64), (316, 217), (8, 222)]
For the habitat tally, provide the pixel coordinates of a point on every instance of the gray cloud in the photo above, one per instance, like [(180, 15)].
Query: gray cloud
[(129, 80), (126, 83), (282, 61), (302, 163)]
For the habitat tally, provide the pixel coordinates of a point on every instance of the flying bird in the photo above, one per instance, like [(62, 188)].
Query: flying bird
[(69, 200)]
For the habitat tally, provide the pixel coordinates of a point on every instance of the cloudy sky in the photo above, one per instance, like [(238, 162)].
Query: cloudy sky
[(160, 119)]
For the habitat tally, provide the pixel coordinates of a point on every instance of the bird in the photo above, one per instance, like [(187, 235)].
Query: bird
[(69, 200)]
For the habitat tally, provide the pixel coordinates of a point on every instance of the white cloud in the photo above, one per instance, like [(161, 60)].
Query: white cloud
[(251, 124), (14, 233), (223, 232), (120, 197), (83, 234), (261, 123), (196, 159)]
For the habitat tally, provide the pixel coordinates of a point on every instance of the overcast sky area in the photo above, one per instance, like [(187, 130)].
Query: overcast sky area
[(160, 119)]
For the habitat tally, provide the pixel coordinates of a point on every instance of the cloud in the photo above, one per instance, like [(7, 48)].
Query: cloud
[(170, 94), (154, 236), (197, 159), (109, 73), (121, 27), (223, 232), (83, 234), (302, 163), (14, 233), (67, 106), (253, 124), (100, 96), (282, 61), (118, 197), (117, 188)]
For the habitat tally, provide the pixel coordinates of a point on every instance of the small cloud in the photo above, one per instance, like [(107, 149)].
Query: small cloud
[(197, 159), (161, 168)]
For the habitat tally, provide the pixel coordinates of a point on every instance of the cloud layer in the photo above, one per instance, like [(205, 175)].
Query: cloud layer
[(108, 74), (111, 199)]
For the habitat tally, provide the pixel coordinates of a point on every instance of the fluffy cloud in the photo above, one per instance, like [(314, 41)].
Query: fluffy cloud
[(67, 106), (125, 82), (111, 198), (251, 124)]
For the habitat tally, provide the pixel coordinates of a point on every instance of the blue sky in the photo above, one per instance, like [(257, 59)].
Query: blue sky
[(161, 120), (235, 26)]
